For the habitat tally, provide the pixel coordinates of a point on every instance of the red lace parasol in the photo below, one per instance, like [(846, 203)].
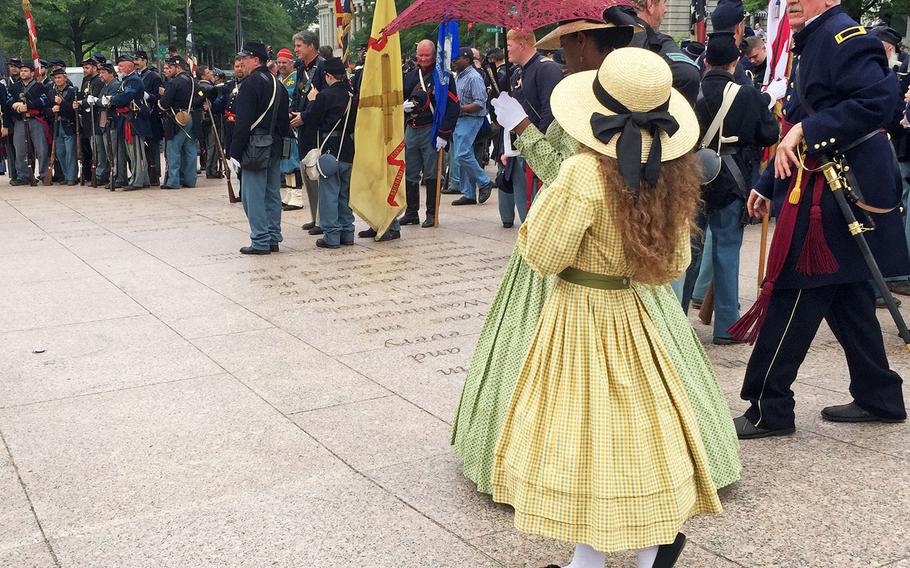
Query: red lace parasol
[(511, 14)]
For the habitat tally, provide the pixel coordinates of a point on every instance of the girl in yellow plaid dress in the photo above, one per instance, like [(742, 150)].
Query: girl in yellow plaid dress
[(600, 446)]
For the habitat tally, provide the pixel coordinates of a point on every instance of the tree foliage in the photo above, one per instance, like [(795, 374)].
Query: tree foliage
[(73, 29)]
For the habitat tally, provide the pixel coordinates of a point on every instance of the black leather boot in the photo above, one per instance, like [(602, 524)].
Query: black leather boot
[(430, 221), (411, 216)]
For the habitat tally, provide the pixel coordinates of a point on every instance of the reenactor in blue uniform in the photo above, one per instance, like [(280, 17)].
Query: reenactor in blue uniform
[(129, 104), (840, 96), (331, 120), (686, 76), (151, 80), (108, 143), (224, 104), (5, 133), (65, 126), (29, 103), (88, 116), (310, 80), (262, 108), (176, 103), (730, 16)]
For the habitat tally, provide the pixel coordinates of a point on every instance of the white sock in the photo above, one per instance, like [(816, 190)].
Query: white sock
[(646, 556), (586, 557)]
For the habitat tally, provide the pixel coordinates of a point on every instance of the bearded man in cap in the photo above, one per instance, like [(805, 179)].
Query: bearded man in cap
[(841, 93), (176, 103), (749, 121), (88, 120), (30, 101), (262, 108), (65, 126), (129, 103), (292, 196), (108, 130), (151, 81)]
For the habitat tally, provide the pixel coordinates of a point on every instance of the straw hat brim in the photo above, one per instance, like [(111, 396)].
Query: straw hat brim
[(573, 103), (551, 40)]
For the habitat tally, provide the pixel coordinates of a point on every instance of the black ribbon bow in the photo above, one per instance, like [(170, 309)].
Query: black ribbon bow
[(629, 126)]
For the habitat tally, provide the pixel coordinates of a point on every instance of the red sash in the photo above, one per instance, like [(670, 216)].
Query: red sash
[(815, 257)]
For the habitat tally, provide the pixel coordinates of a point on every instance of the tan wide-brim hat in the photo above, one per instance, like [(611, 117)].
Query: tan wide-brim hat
[(641, 81), (551, 40)]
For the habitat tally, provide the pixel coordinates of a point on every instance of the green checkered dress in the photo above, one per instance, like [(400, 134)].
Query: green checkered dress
[(510, 326), (600, 444)]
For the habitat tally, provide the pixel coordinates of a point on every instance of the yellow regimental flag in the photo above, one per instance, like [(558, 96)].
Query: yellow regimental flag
[(377, 177)]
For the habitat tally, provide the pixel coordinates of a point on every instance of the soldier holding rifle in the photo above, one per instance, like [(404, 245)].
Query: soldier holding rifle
[(88, 117), (841, 93), (30, 100), (65, 126)]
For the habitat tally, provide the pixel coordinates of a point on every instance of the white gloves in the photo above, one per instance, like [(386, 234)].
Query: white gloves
[(441, 144), (509, 112), (777, 90), (145, 96), (409, 106), (91, 99), (234, 165), (105, 100)]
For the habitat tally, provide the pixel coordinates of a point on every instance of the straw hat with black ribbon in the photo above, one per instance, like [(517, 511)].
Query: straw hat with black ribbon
[(551, 40), (628, 110)]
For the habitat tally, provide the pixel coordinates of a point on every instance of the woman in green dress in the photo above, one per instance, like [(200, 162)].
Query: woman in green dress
[(513, 315)]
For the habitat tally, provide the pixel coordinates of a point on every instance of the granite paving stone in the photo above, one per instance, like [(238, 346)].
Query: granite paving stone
[(168, 402)]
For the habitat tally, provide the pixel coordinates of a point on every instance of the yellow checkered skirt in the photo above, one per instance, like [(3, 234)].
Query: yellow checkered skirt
[(600, 445)]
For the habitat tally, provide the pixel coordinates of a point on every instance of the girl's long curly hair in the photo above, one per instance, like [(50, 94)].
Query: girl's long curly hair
[(651, 224)]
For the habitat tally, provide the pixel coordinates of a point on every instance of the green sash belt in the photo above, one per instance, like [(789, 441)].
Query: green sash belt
[(592, 280)]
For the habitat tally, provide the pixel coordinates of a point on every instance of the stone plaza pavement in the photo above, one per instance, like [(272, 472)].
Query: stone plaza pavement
[(167, 402)]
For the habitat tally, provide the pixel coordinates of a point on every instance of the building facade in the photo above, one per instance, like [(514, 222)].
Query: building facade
[(327, 32)]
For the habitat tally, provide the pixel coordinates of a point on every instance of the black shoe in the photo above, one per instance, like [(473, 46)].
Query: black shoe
[(450, 191), (188, 186), (429, 222), (308, 226), (367, 234), (347, 243), (322, 244), (668, 554), (290, 207), (902, 287), (853, 413), (507, 225), (273, 247), (131, 187), (72, 182), (727, 340), (464, 201), (18, 182), (745, 430), (251, 250), (169, 187), (390, 235), (880, 303), (316, 231), (409, 220), (155, 181), (485, 192), (117, 185)]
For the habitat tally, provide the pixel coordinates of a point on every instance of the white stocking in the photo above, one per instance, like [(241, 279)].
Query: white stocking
[(646, 556), (586, 557)]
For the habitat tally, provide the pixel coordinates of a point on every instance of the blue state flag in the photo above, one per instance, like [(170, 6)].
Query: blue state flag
[(446, 47)]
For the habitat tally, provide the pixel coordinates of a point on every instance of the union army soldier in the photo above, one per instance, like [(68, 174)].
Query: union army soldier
[(128, 102), (310, 80), (108, 122), (29, 103), (261, 101), (841, 93), (5, 102), (648, 16), (151, 80), (65, 126), (224, 104), (92, 84), (176, 103), (201, 124)]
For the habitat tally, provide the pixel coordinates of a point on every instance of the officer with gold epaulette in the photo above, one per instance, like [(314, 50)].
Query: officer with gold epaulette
[(841, 94)]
